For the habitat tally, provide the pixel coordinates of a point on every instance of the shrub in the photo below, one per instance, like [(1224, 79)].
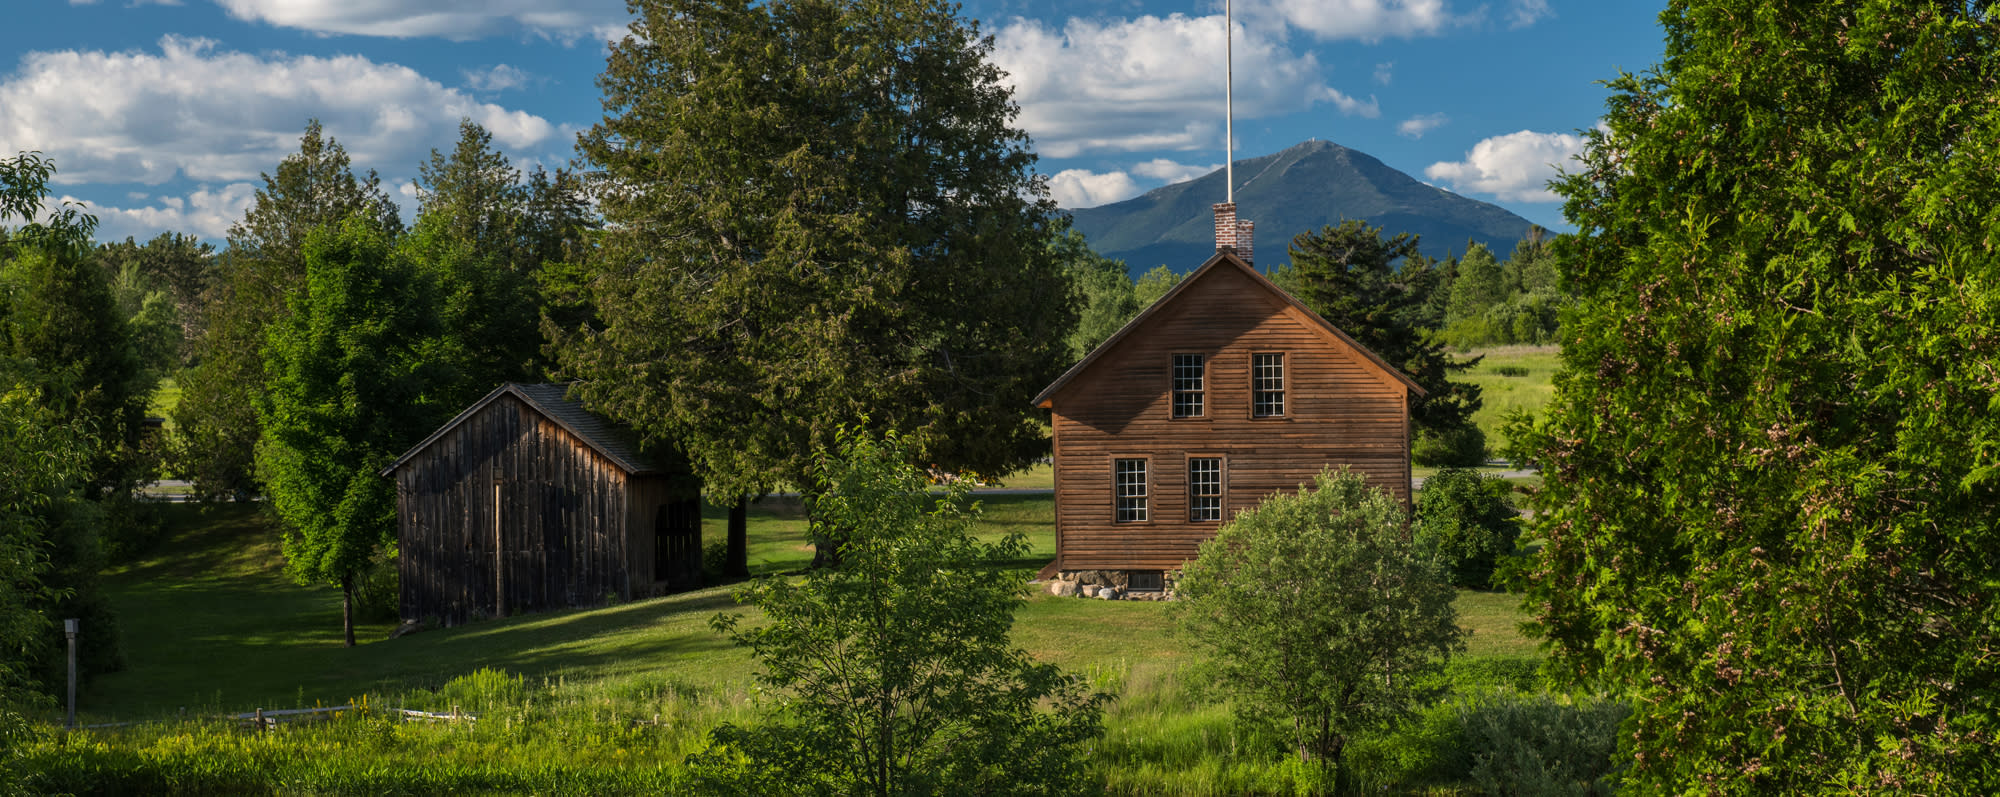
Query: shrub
[(1464, 520), (1511, 370), (1318, 614), (1540, 744), (378, 591), (1464, 447), (715, 562)]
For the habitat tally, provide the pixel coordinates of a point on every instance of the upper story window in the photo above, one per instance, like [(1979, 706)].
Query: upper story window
[(1188, 383), (1267, 385), (1128, 478), (1204, 489)]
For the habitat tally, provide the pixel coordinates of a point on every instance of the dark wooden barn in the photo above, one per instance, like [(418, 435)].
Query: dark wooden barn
[(528, 501), (1224, 391)]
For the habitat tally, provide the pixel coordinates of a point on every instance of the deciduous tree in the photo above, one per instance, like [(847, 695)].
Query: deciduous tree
[(896, 665), (344, 393), (1773, 457), (818, 212), (265, 263)]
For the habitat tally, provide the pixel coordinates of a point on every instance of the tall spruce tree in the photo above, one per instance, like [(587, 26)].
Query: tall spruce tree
[(484, 235), (1378, 290), (265, 262), (818, 213), (1772, 506)]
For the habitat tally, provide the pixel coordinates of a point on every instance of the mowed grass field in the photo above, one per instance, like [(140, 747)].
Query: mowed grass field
[(210, 622)]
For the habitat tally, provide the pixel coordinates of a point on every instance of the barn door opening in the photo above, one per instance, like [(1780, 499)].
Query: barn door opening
[(677, 544)]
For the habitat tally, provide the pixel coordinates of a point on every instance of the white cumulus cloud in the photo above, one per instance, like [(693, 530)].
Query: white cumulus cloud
[(204, 212), (1150, 83), (1169, 172), (1375, 20), (192, 111), (1417, 126), (499, 77), (1366, 20), (1514, 167), (452, 19), (1528, 12), (1082, 188)]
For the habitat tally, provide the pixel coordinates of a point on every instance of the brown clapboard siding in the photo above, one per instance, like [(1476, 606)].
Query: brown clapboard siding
[(1344, 407), (578, 517)]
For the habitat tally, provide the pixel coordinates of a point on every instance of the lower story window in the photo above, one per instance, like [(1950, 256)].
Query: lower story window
[(1129, 485), (1204, 490), (1147, 581)]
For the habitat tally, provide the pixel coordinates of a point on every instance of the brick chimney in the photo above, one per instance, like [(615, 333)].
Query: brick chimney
[(1225, 226), (1232, 235)]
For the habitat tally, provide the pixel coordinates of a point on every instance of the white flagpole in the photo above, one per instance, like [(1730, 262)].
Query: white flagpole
[(1229, 99)]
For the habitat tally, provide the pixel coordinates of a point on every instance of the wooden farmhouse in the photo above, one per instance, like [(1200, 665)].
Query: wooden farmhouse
[(527, 501), (1223, 392)]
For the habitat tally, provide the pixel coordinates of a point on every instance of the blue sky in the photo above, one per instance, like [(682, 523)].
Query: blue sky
[(161, 114)]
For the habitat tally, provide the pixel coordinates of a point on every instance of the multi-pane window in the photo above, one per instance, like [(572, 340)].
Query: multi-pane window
[(1187, 385), (1204, 490), (1267, 385), (1129, 484)]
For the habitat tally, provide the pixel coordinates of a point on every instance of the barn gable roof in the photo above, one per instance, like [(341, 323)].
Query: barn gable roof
[(614, 441), (1223, 259)]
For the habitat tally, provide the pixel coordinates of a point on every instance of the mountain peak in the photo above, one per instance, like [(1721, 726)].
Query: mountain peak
[(1300, 189)]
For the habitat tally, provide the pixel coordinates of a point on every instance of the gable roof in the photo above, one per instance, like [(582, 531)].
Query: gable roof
[(601, 434), (1223, 259)]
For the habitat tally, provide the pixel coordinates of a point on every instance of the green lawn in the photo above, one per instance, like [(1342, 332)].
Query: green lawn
[(211, 622), (1505, 395)]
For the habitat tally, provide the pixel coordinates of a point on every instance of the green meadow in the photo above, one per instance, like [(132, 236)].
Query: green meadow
[(212, 625)]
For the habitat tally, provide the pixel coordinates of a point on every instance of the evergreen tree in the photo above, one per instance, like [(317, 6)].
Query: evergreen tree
[(1772, 462)]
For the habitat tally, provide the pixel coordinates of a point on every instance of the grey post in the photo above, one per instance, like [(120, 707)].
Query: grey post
[(69, 630)]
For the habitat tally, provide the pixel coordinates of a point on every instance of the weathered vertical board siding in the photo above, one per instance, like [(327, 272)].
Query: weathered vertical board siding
[(570, 520), (1340, 410)]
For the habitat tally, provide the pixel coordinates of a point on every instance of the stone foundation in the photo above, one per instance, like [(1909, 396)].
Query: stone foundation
[(1109, 585)]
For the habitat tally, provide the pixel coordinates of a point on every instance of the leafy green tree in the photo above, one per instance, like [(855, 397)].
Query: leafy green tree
[(45, 455), (1479, 287), (1318, 615), (178, 265), (217, 419), (1465, 520), (1349, 274), (61, 319), (1532, 267), (1154, 285), (1773, 456), (44, 461), (345, 391), (1104, 288), (877, 249), (1480, 284), (896, 664)]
